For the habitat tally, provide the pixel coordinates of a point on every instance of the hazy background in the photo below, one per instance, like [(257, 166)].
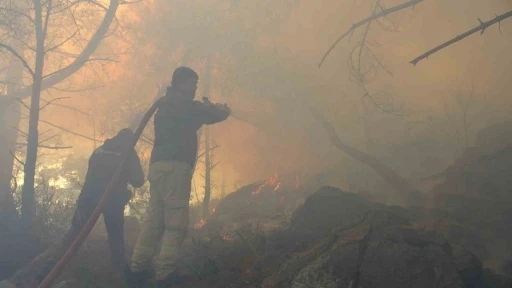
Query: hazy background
[(264, 59)]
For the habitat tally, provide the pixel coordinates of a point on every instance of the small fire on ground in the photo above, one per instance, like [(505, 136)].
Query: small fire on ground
[(273, 183), (227, 238), (200, 224)]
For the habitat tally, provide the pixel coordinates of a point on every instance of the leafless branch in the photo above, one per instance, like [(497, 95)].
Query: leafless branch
[(82, 58), (481, 27), (20, 131), (67, 7), (46, 146), (69, 131), (70, 108), (123, 2), (78, 64), (63, 42), (17, 11), (214, 165), (24, 42), (100, 5), (75, 90), (357, 70), (53, 100), (392, 177), (356, 25), (47, 139), (388, 109), (10, 49), (55, 147), (44, 132), (16, 158), (212, 148), (47, 17), (23, 103)]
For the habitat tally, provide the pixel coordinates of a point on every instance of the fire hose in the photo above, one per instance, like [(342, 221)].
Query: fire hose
[(71, 251)]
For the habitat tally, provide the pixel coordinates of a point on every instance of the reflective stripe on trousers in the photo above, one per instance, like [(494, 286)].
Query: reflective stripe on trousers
[(167, 220)]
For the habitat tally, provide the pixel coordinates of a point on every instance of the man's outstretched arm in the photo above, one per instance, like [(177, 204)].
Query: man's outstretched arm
[(210, 113)]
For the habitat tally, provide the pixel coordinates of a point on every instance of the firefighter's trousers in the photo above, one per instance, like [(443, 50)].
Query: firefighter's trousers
[(167, 221), (113, 214)]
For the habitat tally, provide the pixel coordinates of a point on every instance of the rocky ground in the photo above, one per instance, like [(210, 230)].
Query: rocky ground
[(289, 232)]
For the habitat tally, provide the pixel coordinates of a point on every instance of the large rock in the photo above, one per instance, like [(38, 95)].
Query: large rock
[(477, 196), (466, 236), (380, 250), (495, 137), (352, 242), (329, 208)]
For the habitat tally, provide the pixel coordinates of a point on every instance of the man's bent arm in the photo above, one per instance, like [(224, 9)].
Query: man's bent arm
[(136, 174), (212, 113)]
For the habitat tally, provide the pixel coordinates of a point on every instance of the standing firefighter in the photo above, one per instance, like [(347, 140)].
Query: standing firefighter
[(102, 165), (173, 158)]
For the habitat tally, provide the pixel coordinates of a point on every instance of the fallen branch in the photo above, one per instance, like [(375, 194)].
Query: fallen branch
[(481, 27), (411, 194), (356, 25)]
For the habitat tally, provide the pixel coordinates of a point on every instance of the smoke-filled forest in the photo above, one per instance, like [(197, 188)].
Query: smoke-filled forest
[(351, 144)]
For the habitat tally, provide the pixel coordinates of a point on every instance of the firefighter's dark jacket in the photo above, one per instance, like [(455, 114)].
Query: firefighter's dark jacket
[(176, 126), (102, 166)]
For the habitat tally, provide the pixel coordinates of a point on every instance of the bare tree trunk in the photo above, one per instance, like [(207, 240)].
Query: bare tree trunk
[(9, 121), (83, 58), (223, 186), (366, 126), (186, 57), (207, 174), (367, 136), (28, 207), (207, 160), (10, 118)]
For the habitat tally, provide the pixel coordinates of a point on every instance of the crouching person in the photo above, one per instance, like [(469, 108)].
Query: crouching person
[(102, 166)]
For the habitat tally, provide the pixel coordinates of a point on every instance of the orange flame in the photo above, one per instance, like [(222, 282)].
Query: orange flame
[(200, 224), (271, 182), (277, 187)]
